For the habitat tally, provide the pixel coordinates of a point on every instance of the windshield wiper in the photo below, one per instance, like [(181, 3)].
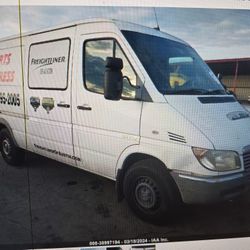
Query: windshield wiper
[(215, 92)]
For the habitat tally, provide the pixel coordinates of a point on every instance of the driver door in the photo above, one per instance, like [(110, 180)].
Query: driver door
[(102, 128)]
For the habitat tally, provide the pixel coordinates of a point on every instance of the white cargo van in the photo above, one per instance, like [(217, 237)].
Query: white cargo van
[(127, 102)]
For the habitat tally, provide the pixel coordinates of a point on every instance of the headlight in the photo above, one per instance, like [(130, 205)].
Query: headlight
[(217, 160)]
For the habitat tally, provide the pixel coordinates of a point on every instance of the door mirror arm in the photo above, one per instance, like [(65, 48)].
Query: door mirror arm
[(133, 86)]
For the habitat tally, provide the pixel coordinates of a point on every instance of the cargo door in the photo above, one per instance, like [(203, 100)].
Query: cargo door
[(48, 95)]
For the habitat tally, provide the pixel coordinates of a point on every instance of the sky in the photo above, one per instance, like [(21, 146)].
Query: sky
[(214, 33)]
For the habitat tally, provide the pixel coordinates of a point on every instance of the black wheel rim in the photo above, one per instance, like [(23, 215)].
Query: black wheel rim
[(146, 193)]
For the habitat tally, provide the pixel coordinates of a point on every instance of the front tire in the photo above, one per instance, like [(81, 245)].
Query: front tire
[(10, 152), (150, 191)]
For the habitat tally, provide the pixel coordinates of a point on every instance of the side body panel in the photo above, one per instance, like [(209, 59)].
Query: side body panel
[(48, 66), (168, 136), (11, 90)]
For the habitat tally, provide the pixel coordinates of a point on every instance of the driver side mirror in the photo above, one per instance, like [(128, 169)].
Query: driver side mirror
[(113, 79)]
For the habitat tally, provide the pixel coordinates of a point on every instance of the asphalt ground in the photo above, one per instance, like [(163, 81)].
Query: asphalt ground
[(48, 204)]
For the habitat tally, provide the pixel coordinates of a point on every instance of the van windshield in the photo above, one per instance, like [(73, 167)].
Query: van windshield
[(174, 68)]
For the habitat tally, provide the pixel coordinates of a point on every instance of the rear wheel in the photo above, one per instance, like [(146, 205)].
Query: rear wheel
[(150, 191), (10, 152)]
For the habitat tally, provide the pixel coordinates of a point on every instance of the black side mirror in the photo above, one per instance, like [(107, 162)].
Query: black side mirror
[(113, 79)]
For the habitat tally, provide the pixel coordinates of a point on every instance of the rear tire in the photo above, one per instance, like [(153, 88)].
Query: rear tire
[(151, 192), (10, 152)]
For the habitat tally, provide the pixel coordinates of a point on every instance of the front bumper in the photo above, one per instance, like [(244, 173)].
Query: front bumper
[(202, 190)]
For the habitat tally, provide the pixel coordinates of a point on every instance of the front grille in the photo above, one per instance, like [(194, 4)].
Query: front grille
[(246, 160)]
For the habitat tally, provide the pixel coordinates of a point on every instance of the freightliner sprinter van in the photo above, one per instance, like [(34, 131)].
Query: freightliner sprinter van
[(127, 102)]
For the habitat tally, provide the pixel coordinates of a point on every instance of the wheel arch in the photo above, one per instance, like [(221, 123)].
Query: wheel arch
[(5, 125), (127, 163)]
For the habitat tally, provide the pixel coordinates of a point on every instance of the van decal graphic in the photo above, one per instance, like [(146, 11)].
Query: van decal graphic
[(10, 99), (5, 58), (46, 71), (35, 102), (9, 75), (41, 62), (53, 151), (48, 104)]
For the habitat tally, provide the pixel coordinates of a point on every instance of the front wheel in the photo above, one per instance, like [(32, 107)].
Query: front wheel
[(150, 191), (10, 152)]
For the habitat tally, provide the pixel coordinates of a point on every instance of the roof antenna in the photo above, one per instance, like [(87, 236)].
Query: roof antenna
[(157, 23)]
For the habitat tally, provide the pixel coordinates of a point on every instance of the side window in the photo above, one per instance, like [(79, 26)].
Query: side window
[(95, 56), (96, 52), (48, 64)]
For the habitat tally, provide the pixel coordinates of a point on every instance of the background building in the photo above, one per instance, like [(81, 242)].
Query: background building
[(236, 75)]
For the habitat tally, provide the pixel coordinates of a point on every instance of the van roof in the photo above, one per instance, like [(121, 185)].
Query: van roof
[(122, 25)]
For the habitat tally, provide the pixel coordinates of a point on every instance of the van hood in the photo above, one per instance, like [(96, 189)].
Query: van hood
[(220, 118)]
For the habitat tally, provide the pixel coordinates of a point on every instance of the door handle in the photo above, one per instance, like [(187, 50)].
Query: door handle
[(84, 107), (63, 105)]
